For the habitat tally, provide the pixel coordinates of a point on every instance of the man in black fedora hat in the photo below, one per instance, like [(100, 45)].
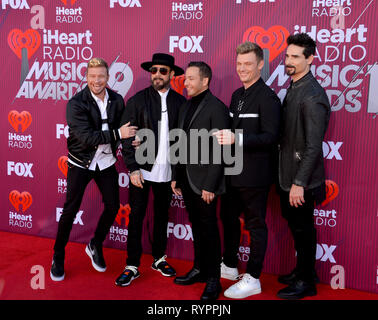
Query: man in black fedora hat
[(155, 108)]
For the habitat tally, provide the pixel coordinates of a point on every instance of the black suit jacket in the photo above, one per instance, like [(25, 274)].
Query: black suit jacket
[(144, 111), (203, 175), (259, 118), (85, 125)]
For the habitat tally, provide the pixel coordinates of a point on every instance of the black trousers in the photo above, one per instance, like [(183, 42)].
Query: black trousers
[(252, 202), (77, 181), (138, 199), (206, 239), (301, 224)]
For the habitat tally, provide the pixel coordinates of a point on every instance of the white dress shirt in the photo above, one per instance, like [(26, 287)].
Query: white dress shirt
[(161, 170)]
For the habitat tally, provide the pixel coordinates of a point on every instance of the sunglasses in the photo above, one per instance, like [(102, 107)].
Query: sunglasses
[(163, 71)]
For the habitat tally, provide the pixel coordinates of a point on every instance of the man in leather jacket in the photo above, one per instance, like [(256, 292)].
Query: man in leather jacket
[(94, 120), (306, 113)]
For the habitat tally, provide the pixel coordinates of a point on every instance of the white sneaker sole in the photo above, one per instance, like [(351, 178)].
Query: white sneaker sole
[(229, 277), (242, 295), (53, 278), (97, 268)]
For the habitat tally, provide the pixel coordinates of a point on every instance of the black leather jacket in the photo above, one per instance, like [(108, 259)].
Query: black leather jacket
[(85, 125), (306, 113)]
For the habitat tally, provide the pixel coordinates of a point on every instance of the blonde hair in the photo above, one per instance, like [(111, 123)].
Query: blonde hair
[(98, 62), (248, 47)]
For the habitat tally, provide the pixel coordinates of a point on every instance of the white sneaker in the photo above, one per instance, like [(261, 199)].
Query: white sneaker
[(229, 273), (246, 287)]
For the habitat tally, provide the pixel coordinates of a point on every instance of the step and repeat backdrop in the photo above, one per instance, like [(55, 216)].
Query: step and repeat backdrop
[(46, 44)]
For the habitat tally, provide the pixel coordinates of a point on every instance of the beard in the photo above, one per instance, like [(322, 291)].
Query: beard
[(290, 70), (161, 84)]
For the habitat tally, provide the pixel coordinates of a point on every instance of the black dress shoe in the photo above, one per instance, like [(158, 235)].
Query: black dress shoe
[(292, 277), (193, 276), (212, 289), (297, 290)]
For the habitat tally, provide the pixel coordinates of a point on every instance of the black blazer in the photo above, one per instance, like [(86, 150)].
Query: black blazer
[(85, 125), (259, 118), (210, 114), (144, 111)]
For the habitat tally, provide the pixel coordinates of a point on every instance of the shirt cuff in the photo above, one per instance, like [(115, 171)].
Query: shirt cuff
[(240, 142)]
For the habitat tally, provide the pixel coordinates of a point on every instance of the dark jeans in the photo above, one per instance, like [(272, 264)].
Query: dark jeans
[(301, 225), (77, 181), (206, 239), (138, 199), (252, 202)]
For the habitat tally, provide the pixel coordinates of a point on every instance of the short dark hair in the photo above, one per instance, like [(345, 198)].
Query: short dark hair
[(248, 46), (204, 69), (303, 40)]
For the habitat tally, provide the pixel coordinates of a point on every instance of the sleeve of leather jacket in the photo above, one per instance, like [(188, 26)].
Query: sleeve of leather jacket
[(270, 115), (314, 115), (220, 120), (80, 125), (128, 151)]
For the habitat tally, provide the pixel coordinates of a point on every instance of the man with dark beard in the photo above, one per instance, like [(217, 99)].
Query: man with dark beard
[(306, 113), (155, 108)]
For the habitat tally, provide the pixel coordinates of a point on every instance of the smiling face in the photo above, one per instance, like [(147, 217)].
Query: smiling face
[(193, 83), (97, 79), (248, 68), (296, 64)]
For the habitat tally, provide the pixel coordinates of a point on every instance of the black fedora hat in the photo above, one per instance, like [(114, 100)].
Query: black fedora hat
[(162, 59)]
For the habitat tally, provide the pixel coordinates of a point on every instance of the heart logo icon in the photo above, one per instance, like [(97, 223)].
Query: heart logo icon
[(62, 165), (332, 190), (65, 2), (273, 39), (16, 199), (30, 39), (123, 213), (16, 119), (244, 232), (177, 84)]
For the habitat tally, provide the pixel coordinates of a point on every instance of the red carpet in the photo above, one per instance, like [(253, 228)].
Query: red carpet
[(19, 253)]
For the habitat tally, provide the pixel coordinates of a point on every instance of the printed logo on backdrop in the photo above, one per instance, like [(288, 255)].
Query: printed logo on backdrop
[(327, 217), (20, 122), (331, 8), (63, 167), (68, 14), (14, 4), (78, 218), (340, 64), (20, 169), (125, 3), (119, 233), (272, 41), (180, 231), (186, 44), (177, 83), (183, 11), (21, 202), (254, 1)]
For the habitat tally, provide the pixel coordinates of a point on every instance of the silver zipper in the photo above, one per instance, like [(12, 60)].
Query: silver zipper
[(75, 157)]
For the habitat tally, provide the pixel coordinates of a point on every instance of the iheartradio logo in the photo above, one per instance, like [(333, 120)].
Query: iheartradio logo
[(273, 39), (72, 2), (19, 120), (29, 40), (62, 165), (123, 213), (177, 84), (18, 199), (332, 191)]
